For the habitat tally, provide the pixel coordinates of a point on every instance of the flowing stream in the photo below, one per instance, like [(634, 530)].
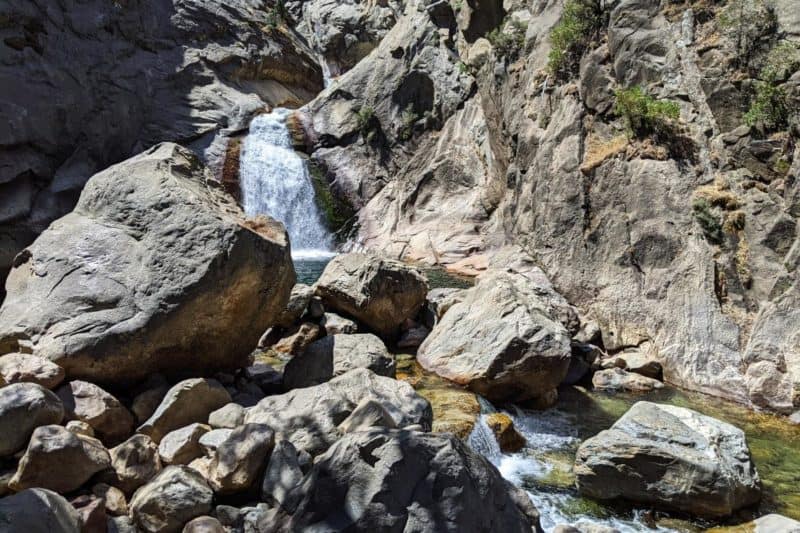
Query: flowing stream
[(275, 181), (543, 468)]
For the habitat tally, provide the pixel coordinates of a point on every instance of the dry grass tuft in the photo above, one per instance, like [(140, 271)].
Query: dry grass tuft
[(598, 150)]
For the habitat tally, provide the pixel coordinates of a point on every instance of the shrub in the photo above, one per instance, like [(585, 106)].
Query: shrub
[(645, 115), (769, 110), (365, 117), (508, 39), (709, 221), (277, 14), (579, 24), (408, 118), (746, 22)]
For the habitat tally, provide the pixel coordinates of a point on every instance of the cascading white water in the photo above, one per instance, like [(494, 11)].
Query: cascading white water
[(275, 181), (544, 432)]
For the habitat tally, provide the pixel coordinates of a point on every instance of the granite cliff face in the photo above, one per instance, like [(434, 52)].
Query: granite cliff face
[(450, 144), (86, 84)]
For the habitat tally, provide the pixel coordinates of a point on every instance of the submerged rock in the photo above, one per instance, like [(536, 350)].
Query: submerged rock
[(618, 379), (309, 417), (39, 511), (154, 270), (335, 355), (379, 293), (59, 460), (23, 408), (670, 457), (435, 481), (501, 341)]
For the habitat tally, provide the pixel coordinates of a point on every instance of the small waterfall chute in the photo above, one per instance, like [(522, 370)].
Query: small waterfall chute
[(275, 181)]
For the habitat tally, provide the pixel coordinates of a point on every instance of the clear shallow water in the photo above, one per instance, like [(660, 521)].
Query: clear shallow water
[(275, 181), (544, 467)]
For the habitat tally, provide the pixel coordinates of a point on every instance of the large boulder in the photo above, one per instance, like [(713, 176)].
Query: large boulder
[(23, 408), (59, 460), (335, 355), (378, 292), (435, 481), (154, 270), (176, 496), (309, 417), (502, 340), (27, 368), (617, 379), (173, 76), (89, 403), (189, 401), (241, 458), (670, 457), (39, 511), (296, 306)]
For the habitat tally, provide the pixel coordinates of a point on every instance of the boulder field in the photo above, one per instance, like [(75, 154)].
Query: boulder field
[(619, 179)]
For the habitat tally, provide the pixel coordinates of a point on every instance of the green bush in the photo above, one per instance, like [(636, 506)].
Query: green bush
[(408, 118), (508, 42), (337, 212), (769, 107), (746, 22), (645, 115), (579, 24), (366, 120), (277, 14), (769, 110), (708, 220)]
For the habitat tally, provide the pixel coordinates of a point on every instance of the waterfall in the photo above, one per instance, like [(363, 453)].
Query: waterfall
[(275, 181)]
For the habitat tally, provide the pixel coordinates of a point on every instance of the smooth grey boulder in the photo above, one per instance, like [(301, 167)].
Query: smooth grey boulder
[(241, 458), (182, 446), (59, 460), (334, 324), (309, 417), (670, 457), (154, 270), (367, 414), (134, 463), (203, 524), (39, 511), (619, 379), (436, 484), (227, 416), (282, 475), (334, 355), (27, 368), (89, 403), (210, 441), (502, 340), (298, 302), (176, 496), (639, 362), (377, 292), (189, 401), (772, 523), (23, 408)]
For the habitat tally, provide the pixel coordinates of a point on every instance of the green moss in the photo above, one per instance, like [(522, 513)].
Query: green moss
[(769, 106), (579, 24), (337, 212), (408, 118), (367, 123)]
